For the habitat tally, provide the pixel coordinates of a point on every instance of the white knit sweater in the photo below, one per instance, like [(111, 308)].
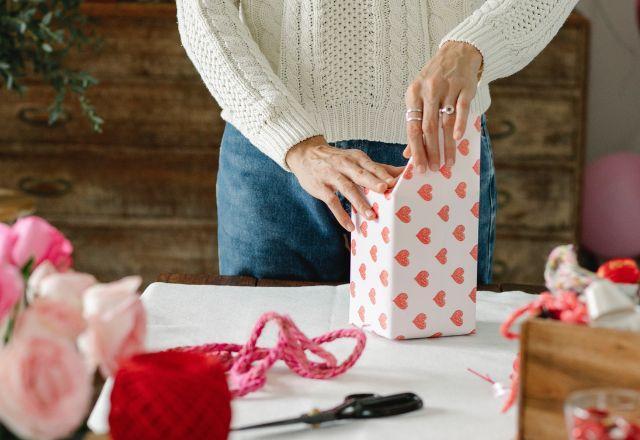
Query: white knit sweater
[(285, 70)]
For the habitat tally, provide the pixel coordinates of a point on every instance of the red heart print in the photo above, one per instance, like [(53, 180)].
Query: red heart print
[(372, 295), (402, 257), (361, 313), (353, 247), (439, 299), (408, 172), (374, 252), (425, 192), (475, 210), (474, 252), (363, 229), (375, 208), (456, 318), (424, 235), (458, 232), (444, 213), (463, 147), (472, 332), (384, 278), (441, 256), (387, 194), (401, 300), (400, 338), (422, 278), (461, 190), (382, 319), (363, 271), (478, 124), (445, 171), (458, 275), (420, 321), (385, 234), (404, 214), (476, 167), (352, 289), (472, 295), (435, 335)]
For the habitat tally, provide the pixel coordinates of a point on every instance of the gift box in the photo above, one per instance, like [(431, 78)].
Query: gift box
[(414, 267)]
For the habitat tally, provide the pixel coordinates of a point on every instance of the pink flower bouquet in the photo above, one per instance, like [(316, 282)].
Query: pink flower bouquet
[(57, 326)]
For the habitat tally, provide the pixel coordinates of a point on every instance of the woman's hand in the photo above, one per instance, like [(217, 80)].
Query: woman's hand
[(322, 170), (449, 78)]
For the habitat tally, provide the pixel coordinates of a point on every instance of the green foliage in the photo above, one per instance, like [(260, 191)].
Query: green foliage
[(36, 36)]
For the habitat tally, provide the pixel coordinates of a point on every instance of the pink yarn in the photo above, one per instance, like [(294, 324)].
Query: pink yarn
[(247, 370)]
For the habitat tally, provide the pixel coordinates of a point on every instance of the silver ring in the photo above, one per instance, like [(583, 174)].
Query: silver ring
[(409, 117), (448, 109)]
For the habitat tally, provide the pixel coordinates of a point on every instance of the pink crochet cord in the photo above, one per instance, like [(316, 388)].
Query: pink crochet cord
[(247, 370)]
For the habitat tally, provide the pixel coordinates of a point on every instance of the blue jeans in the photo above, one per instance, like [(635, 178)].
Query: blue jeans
[(269, 227)]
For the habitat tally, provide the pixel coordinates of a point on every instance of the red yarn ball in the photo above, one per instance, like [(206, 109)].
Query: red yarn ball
[(170, 395)]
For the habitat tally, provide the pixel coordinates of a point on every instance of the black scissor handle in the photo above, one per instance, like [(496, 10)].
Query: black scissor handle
[(374, 406)]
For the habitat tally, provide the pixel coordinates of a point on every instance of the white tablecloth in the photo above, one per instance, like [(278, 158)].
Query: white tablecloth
[(457, 404)]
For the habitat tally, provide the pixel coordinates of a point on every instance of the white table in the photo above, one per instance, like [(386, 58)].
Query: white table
[(457, 404)]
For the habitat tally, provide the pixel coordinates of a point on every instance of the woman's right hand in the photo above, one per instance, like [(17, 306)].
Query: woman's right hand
[(322, 170)]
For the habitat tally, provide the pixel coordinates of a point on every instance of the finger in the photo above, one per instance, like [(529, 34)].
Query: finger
[(415, 139), (352, 193), (393, 170), (462, 111), (378, 170), (448, 122), (407, 152), (333, 203), (430, 127), (364, 177)]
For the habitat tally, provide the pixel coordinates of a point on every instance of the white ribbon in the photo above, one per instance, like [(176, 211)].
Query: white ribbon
[(611, 307)]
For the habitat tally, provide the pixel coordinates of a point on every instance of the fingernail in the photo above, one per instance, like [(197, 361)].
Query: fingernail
[(449, 162), (369, 213), (390, 181), (420, 169), (350, 227), (457, 135), (434, 167)]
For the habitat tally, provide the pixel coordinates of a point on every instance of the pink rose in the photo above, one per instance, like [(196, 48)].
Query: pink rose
[(116, 323), (11, 287), (36, 238), (46, 388), (65, 287), (7, 239), (46, 317)]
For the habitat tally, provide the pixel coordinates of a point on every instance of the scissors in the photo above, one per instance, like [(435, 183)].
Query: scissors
[(355, 406)]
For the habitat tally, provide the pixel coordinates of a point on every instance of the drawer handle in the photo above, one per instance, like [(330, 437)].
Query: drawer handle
[(39, 117), (508, 129), (504, 198), (499, 268), (44, 187)]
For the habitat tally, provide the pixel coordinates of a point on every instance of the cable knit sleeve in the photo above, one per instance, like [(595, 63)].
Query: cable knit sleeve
[(240, 78), (510, 33)]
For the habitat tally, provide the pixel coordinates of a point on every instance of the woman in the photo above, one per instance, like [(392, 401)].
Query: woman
[(323, 96)]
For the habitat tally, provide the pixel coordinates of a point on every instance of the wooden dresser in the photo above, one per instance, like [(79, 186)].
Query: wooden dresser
[(537, 123), (140, 197)]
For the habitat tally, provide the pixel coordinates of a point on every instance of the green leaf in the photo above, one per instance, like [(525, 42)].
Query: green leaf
[(47, 18)]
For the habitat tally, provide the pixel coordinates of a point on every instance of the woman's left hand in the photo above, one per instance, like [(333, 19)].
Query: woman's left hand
[(449, 78)]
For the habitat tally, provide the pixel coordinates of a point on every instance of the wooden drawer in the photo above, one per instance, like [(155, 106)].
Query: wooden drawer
[(529, 125), (145, 113), (536, 200), (137, 40), (71, 181), (562, 62), (111, 249), (521, 260)]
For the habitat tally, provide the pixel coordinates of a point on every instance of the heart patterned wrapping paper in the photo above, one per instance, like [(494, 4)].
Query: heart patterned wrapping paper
[(414, 267)]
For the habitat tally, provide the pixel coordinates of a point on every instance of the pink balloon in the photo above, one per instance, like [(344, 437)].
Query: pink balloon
[(611, 206)]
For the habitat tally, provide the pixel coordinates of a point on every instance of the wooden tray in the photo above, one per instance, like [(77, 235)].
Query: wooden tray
[(559, 358)]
